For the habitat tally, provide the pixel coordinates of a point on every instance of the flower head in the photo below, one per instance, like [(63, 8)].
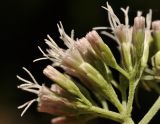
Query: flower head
[(86, 64), (54, 100), (51, 103), (156, 26), (101, 49)]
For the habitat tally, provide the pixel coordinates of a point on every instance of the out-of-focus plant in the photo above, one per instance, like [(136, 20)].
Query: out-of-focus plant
[(86, 65)]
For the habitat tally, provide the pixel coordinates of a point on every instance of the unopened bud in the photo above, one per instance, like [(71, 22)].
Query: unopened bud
[(99, 84), (72, 58), (121, 33), (60, 91), (139, 23), (61, 80), (101, 49), (65, 82), (156, 33), (156, 26), (156, 60), (50, 103), (124, 35), (126, 56), (138, 36), (86, 50)]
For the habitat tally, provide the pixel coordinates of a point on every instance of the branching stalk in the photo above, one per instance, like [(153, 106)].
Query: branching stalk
[(106, 114), (150, 114)]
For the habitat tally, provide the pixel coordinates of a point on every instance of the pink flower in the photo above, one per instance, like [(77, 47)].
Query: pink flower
[(156, 25), (50, 103)]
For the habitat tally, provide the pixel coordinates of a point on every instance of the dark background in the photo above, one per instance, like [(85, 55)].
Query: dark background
[(23, 26)]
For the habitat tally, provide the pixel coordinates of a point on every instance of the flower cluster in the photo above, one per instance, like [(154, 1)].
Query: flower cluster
[(87, 64)]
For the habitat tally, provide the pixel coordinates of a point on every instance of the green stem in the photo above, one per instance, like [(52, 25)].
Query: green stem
[(132, 88), (118, 105), (115, 101), (128, 121), (150, 114), (84, 99), (133, 82), (123, 72), (106, 114)]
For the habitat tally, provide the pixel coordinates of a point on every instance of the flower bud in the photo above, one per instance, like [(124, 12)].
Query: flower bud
[(148, 40), (101, 49), (139, 23), (61, 80), (61, 92), (72, 58), (126, 56), (121, 33), (156, 60), (90, 56), (50, 103), (86, 50), (64, 82), (156, 33), (156, 26), (138, 36), (100, 85), (83, 46)]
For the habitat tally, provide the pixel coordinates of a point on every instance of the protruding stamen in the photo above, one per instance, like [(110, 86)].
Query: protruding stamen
[(26, 105), (101, 28), (113, 19), (125, 11), (109, 35), (42, 52), (29, 86), (52, 41), (68, 41), (149, 19), (24, 80), (34, 80), (72, 34), (39, 59)]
